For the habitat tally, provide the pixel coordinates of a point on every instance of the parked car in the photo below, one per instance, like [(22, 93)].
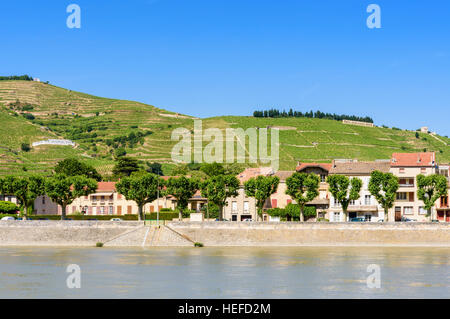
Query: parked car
[(358, 219), (406, 219), (224, 220), (247, 220), (8, 218), (115, 219), (67, 218)]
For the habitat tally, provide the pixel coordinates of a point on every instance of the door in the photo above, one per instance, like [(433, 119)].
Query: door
[(398, 214)]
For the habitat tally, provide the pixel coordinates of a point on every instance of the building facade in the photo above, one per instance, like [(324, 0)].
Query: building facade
[(107, 201), (406, 166), (366, 206)]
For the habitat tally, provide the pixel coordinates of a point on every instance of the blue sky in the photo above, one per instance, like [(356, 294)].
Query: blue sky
[(227, 57)]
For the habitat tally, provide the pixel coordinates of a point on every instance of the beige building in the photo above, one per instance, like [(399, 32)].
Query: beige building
[(321, 202), (366, 206), (406, 166), (442, 206), (242, 207), (107, 201)]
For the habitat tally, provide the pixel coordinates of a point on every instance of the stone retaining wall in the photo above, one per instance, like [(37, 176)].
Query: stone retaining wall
[(130, 233), (315, 234)]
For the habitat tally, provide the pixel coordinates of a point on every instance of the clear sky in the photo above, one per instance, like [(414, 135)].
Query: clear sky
[(230, 57)]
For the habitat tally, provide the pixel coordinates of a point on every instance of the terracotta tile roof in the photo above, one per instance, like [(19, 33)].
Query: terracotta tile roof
[(284, 174), (324, 166), (106, 187), (425, 159), (253, 172), (358, 168)]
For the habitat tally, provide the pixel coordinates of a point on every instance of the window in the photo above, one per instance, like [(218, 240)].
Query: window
[(368, 217), (352, 202), (368, 200), (407, 210), (401, 196), (337, 217), (245, 206), (444, 201), (336, 203), (422, 210), (323, 178), (43, 200), (234, 207), (102, 210), (94, 198), (402, 170), (111, 210)]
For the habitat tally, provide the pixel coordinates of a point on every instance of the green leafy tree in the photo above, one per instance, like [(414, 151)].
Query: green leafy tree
[(302, 188), (125, 166), (182, 188), (292, 211), (142, 188), (384, 186), (26, 190), (212, 169), (429, 189), (261, 187), (218, 188), (63, 189), (73, 167), (155, 168), (344, 190)]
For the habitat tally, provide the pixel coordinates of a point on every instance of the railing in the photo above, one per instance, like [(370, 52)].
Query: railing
[(406, 185)]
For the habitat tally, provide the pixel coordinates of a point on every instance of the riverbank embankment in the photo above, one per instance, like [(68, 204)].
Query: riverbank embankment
[(136, 234)]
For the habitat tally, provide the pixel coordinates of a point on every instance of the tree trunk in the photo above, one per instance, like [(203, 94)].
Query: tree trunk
[(180, 216), (140, 212), (63, 211), (302, 217), (386, 215), (345, 215), (25, 210), (220, 213), (430, 213)]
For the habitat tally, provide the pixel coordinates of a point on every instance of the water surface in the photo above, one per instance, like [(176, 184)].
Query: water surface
[(231, 272)]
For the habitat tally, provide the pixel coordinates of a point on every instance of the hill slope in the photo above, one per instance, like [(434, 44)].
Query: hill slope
[(101, 126)]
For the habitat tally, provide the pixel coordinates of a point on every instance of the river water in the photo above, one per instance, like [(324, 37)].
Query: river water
[(230, 272)]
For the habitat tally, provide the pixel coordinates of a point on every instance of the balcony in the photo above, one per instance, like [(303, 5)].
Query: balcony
[(362, 208), (406, 185)]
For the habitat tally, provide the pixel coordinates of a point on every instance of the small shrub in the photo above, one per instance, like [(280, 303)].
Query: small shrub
[(99, 244), (8, 207), (198, 244), (25, 147)]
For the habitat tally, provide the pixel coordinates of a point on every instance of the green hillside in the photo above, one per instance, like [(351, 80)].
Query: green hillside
[(101, 127)]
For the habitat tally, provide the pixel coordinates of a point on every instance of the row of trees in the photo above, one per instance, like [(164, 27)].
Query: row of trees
[(311, 114), (61, 188), (73, 180), (16, 77), (303, 188)]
